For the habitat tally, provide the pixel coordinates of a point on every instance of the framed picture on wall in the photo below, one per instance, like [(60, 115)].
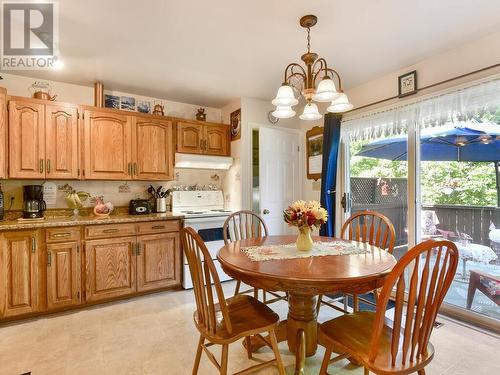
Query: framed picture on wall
[(314, 152), (407, 84), (235, 120)]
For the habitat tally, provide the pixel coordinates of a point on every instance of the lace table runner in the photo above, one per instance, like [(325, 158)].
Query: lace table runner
[(290, 251)]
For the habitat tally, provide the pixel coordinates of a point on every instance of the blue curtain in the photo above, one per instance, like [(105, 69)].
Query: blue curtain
[(331, 141)]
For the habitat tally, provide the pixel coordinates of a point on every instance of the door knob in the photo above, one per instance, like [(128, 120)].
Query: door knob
[(265, 211)]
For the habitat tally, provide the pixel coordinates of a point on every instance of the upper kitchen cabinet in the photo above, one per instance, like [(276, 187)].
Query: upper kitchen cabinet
[(198, 138), (43, 140), (61, 142), (217, 140), (153, 149), (190, 138), (107, 145), (26, 139), (3, 133)]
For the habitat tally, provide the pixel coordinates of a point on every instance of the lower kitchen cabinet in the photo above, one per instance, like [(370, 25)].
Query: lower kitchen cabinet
[(158, 261), (110, 268), (63, 275), (19, 259)]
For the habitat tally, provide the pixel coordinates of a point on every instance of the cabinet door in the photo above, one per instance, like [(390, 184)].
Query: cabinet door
[(153, 150), (158, 261), (217, 140), (18, 273), (110, 268), (61, 134), (107, 146), (63, 275), (189, 138), (3, 133), (26, 140)]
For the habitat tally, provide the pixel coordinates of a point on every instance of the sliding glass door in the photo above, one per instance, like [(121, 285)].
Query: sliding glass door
[(432, 167)]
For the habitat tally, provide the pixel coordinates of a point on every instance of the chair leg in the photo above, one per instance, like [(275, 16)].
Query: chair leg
[(198, 355), (355, 302), (367, 372), (318, 306), (326, 361), (223, 364), (263, 296), (255, 293), (346, 299), (421, 372), (274, 344), (248, 344), (237, 289)]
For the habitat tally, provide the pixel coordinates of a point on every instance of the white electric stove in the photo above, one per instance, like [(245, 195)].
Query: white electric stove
[(203, 211)]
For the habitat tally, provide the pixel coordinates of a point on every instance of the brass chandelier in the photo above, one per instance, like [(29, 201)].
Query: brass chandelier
[(315, 83)]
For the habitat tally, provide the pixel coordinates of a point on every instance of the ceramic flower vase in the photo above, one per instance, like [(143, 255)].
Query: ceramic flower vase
[(304, 241)]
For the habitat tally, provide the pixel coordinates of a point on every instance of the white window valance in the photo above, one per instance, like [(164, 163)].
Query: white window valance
[(470, 103)]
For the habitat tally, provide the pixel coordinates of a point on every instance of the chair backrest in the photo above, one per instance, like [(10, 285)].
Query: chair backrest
[(203, 274), (242, 225), (370, 227), (426, 282)]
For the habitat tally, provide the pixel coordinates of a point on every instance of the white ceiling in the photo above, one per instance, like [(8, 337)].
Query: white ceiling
[(209, 52)]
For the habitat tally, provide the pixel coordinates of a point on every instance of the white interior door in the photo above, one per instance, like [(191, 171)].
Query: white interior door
[(280, 182)]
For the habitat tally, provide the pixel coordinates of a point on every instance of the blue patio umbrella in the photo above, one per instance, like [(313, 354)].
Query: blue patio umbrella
[(475, 142)]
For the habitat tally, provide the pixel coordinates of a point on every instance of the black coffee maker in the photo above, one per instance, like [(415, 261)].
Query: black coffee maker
[(34, 205)]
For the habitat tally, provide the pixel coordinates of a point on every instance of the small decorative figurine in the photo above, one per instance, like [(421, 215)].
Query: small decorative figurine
[(158, 109), (201, 115), (42, 90)]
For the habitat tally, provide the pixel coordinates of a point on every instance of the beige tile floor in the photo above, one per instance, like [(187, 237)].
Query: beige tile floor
[(155, 335)]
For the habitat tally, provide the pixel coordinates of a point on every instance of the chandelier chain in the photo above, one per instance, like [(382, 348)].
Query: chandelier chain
[(308, 39)]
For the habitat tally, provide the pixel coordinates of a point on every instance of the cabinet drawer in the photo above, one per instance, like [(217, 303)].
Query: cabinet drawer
[(111, 230), (159, 226), (62, 234)]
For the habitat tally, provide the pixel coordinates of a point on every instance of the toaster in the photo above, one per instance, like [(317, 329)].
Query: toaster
[(139, 207)]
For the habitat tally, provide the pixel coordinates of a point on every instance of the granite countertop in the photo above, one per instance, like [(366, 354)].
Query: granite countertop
[(67, 221)]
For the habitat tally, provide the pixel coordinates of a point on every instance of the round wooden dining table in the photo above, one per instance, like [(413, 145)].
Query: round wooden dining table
[(304, 279)]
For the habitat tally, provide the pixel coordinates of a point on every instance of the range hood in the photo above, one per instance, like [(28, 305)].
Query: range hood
[(202, 161)]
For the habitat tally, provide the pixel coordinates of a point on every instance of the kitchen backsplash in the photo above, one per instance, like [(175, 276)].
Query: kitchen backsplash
[(117, 192)]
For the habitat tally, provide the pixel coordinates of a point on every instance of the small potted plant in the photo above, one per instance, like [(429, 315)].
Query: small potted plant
[(305, 216)]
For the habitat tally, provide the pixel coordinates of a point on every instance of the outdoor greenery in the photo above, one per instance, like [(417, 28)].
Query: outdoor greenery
[(450, 182)]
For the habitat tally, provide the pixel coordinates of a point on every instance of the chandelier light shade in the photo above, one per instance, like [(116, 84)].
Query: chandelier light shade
[(285, 97), (340, 104), (310, 112), (283, 112), (315, 82)]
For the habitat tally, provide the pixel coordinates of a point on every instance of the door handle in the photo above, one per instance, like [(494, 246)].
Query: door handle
[(265, 211), (129, 169), (41, 166), (136, 169), (33, 244), (346, 202), (49, 258), (48, 166)]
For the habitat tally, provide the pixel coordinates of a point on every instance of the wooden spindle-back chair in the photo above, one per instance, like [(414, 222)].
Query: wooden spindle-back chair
[(368, 227), (222, 321), (242, 225), (424, 274)]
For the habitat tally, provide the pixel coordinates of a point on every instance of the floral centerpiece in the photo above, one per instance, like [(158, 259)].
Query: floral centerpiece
[(305, 215)]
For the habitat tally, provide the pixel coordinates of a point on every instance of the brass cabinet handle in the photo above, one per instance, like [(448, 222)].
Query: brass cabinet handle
[(49, 258), (201, 144), (33, 244), (59, 235), (41, 165), (113, 230), (136, 169), (138, 249), (129, 168), (48, 166), (206, 145), (158, 227)]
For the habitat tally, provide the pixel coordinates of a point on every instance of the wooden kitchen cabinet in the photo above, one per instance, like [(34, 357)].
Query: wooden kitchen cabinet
[(217, 138), (43, 140), (3, 133), (190, 138), (107, 145), (110, 268), (158, 261), (19, 274), (26, 139), (61, 142), (208, 139), (63, 275), (153, 149)]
